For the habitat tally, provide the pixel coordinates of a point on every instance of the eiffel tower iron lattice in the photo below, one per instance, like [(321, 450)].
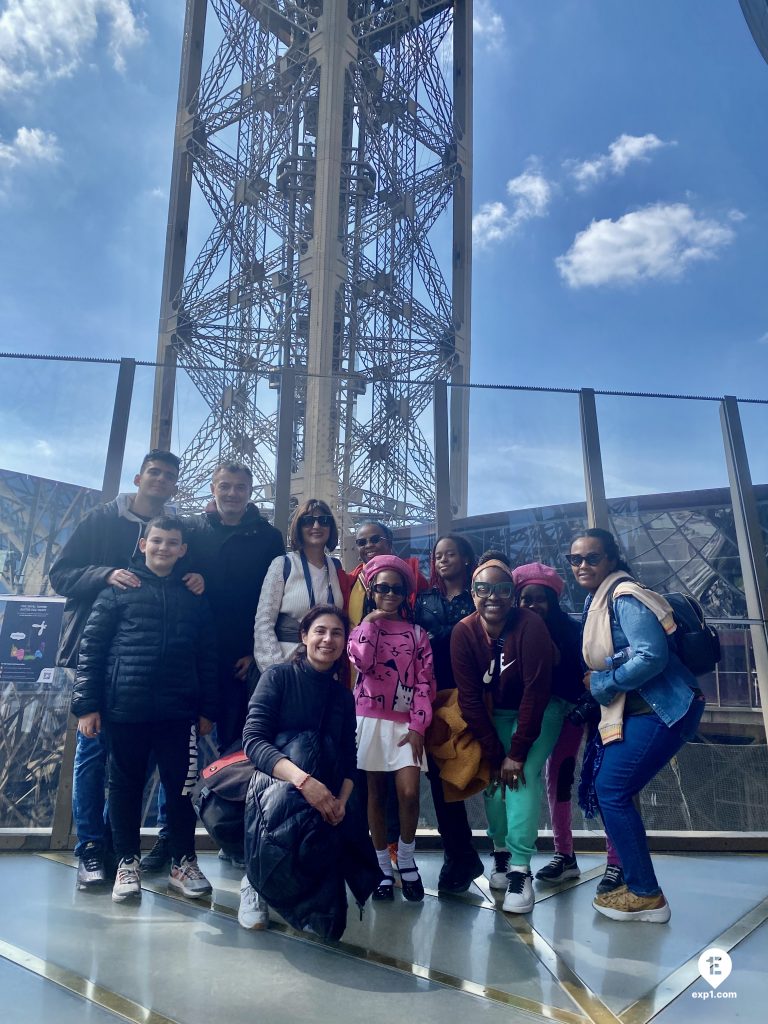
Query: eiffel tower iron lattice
[(323, 148)]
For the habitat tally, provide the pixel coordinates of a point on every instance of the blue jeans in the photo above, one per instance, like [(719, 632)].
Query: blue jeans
[(88, 803), (627, 766)]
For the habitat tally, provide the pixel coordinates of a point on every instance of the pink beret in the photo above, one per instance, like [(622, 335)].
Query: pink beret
[(538, 574), (380, 563)]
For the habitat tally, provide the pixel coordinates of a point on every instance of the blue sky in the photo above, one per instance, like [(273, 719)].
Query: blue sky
[(621, 218)]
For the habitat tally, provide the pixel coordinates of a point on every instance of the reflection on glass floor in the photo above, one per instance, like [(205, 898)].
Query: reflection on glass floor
[(68, 956)]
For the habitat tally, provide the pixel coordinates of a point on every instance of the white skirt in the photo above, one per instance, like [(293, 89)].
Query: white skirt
[(377, 749)]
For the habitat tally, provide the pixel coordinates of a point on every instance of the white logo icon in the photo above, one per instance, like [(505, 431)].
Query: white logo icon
[(714, 966), (504, 665)]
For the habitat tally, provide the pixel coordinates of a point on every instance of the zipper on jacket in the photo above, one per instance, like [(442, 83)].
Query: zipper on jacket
[(164, 637)]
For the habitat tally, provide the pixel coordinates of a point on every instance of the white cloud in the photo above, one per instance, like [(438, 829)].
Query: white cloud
[(541, 472), (30, 146), (43, 40), (487, 30), (657, 242), (530, 195), (622, 152), (487, 25)]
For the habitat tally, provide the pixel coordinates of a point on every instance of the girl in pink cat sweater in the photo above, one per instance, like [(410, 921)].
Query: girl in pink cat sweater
[(393, 701)]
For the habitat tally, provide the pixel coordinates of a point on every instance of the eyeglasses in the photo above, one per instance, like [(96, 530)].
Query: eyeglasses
[(375, 538), (386, 588), (502, 589), (592, 559), (305, 522)]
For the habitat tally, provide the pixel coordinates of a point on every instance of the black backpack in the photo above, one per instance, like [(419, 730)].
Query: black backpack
[(695, 642)]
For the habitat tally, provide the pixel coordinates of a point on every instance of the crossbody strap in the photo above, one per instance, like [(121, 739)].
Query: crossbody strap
[(308, 581)]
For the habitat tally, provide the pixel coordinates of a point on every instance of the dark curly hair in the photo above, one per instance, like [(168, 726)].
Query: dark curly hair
[(610, 546), (314, 613), (466, 551)]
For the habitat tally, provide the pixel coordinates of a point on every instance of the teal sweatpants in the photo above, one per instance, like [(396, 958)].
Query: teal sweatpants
[(513, 823)]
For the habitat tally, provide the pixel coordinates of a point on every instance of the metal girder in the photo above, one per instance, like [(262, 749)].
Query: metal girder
[(323, 142)]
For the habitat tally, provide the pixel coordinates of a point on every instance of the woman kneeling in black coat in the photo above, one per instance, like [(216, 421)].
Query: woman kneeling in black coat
[(303, 840)]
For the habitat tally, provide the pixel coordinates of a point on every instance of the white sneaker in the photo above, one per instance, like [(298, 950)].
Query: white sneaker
[(519, 898), (187, 878), (498, 879), (127, 880), (253, 912)]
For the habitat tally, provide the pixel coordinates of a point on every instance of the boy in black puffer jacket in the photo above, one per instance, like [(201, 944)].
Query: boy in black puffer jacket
[(147, 673)]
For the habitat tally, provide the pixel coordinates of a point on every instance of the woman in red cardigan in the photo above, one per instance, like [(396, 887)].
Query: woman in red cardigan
[(502, 661)]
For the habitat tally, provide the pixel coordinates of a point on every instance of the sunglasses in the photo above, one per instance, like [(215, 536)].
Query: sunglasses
[(386, 588), (592, 559), (375, 538), (488, 589), (306, 521)]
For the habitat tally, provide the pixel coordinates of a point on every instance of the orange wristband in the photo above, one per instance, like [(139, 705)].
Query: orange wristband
[(301, 784)]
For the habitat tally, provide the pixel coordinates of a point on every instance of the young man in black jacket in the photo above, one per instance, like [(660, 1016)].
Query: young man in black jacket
[(146, 674), (100, 553)]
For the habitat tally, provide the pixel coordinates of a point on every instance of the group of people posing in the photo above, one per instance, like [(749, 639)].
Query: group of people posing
[(329, 681)]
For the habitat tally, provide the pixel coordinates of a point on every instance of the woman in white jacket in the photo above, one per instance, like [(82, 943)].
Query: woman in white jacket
[(296, 582)]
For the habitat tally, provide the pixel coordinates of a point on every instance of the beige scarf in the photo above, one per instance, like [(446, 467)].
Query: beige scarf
[(597, 642)]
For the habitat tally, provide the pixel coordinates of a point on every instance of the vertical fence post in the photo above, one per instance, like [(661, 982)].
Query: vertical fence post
[(749, 537), (443, 513), (597, 506), (285, 414), (113, 468), (172, 315)]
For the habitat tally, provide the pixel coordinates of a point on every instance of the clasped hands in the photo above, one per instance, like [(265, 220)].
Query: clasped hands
[(511, 774), (330, 807)]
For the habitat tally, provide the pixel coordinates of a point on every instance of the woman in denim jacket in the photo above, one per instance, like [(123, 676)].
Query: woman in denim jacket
[(650, 706)]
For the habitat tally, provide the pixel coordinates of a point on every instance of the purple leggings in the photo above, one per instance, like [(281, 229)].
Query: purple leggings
[(561, 766)]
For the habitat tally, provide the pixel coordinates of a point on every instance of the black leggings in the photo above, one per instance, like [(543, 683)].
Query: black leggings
[(130, 745)]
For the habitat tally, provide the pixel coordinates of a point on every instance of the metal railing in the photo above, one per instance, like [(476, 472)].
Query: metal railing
[(72, 432)]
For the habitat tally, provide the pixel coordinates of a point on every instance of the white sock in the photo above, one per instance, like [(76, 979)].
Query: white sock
[(520, 867), (405, 860), (385, 863)]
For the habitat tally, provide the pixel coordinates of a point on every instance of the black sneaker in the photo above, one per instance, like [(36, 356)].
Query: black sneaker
[(456, 876), (158, 859), (559, 868), (90, 867), (612, 879)]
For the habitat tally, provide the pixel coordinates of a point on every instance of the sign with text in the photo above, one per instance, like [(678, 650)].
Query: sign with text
[(29, 638)]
